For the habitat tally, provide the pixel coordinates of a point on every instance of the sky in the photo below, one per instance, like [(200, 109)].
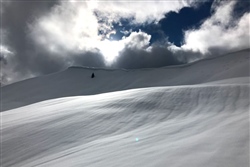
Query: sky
[(41, 37)]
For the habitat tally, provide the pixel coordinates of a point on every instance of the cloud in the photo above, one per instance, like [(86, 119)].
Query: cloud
[(81, 26), (221, 32), (126, 32), (68, 26), (48, 36), (141, 11), (140, 58), (137, 40), (14, 37), (6, 59), (29, 49), (138, 53), (4, 54)]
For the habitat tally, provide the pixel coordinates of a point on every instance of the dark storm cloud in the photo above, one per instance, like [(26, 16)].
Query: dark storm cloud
[(138, 53), (133, 59), (3, 59), (90, 59), (46, 36), (15, 16), (45, 62), (28, 58), (157, 56)]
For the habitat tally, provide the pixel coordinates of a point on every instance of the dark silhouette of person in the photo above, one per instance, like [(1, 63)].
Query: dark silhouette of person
[(93, 75)]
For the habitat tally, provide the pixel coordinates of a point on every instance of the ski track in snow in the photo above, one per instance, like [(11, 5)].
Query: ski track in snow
[(206, 124)]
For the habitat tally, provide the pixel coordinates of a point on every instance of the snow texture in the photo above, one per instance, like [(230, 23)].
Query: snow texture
[(194, 115), (76, 81)]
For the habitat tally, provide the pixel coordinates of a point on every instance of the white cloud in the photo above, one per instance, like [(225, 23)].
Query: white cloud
[(142, 11), (125, 32), (70, 27), (137, 40), (74, 26), (69, 33), (111, 49), (5, 50), (221, 31), (7, 74)]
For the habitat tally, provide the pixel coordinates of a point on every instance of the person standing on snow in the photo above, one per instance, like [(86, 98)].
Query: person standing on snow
[(93, 75)]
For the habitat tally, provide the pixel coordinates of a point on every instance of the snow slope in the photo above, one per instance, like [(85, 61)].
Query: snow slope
[(180, 126), (187, 116), (76, 81)]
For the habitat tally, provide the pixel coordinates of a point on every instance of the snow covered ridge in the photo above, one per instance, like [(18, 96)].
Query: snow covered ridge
[(194, 126), (77, 81), (188, 116)]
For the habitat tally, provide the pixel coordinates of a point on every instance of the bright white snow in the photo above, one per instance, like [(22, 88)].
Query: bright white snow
[(202, 122), (77, 82)]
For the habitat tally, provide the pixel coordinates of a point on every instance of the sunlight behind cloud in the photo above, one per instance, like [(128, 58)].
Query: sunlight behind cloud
[(110, 49), (74, 26)]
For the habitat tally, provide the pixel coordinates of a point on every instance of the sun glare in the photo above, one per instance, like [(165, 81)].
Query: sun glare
[(110, 49)]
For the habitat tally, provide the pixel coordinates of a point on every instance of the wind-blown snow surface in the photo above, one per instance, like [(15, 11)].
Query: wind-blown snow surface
[(76, 81), (178, 126)]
